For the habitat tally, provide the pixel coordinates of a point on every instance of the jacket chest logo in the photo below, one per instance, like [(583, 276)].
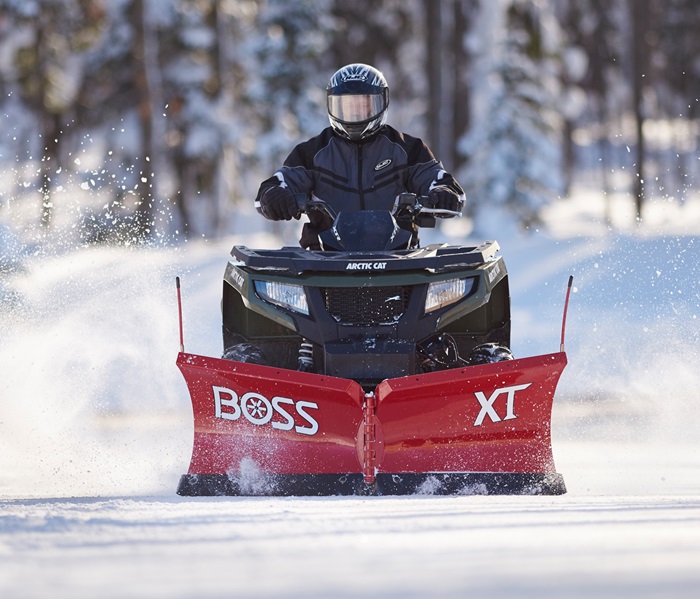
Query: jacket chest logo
[(382, 164)]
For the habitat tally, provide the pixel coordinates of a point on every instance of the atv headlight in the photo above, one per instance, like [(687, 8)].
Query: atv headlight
[(291, 297), (444, 293)]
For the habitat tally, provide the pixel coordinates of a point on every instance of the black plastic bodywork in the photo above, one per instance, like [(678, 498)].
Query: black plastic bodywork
[(366, 308)]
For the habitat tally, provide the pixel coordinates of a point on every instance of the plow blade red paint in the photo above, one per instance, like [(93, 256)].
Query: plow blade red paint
[(260, 430)]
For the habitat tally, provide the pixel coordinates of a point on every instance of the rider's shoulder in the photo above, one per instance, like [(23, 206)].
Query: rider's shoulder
[(321, 139), (399, 137)]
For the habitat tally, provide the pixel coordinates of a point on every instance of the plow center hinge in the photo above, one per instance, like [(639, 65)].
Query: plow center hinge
[(369, 469)]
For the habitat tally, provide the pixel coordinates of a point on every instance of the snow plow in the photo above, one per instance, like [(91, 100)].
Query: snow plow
[(370, 367)]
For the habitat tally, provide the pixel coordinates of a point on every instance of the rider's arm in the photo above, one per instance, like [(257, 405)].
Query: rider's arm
[(297, 173), (427, 174)]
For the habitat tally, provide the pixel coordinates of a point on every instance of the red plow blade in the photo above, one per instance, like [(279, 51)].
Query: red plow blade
[(260, 430)]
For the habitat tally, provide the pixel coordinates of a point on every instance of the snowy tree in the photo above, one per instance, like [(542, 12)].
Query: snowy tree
[(48, 71), (591, 28), (196, 128), (513, 148), (287, 81), (181, 107), (680, 98), (121, 105), (392, 37), (447, 67)]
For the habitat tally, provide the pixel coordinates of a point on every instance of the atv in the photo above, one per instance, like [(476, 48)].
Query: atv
[(370, 366)]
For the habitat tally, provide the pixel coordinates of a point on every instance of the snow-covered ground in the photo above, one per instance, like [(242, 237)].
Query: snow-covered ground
[(95, 430)]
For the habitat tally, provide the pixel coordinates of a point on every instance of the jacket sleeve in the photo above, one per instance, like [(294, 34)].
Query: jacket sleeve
[(426, 172), (295, 175)]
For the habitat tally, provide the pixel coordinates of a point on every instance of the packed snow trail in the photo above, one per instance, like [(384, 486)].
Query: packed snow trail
[(636, 547)]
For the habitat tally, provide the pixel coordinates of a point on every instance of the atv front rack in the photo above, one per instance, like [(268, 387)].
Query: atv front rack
[(436, 258)]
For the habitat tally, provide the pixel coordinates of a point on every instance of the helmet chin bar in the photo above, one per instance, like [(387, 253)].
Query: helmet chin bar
[(355, 134)]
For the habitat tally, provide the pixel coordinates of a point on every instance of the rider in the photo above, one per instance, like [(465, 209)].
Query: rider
[(358, 163)]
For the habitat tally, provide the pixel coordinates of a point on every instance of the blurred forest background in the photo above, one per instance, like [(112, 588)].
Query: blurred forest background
[(147, 119)]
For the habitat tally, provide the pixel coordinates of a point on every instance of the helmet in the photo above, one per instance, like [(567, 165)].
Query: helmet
[(358, 98)]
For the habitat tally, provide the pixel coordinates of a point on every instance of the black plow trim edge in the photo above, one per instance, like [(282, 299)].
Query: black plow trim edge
[(319, 485)]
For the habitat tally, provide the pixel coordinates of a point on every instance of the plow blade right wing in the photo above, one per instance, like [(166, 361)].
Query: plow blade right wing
[(492, 419)]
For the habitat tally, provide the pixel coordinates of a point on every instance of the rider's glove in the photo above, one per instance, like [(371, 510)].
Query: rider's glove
[(445, 199), (278, 203)]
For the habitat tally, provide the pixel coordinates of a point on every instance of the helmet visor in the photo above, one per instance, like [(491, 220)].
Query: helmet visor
[(355, 108)]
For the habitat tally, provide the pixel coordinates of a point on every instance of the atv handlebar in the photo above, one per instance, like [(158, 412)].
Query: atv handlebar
[(307, 204), (407, 205), (415, 205)]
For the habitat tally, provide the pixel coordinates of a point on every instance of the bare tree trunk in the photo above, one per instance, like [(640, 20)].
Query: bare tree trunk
[(569, 158), (50, 127), (605, 158), (149, 94), (226, 191), (434, 68), (460, 90), (49, 164), (640, 65)]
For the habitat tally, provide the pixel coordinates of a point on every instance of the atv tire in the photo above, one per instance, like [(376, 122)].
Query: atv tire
[(489, 353), (245, 352)]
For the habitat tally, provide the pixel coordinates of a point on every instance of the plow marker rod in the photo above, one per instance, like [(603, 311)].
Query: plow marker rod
[(566, 309), (179, 313)]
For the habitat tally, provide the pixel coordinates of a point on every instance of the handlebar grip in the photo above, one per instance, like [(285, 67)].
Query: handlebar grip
[(302, 201), (426, 202)]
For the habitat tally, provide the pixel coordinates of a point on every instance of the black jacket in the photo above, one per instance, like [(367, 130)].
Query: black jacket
[(365, 175)]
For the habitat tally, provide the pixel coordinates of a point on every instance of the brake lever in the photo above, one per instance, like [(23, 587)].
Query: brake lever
[(440, 212), (306, 204)]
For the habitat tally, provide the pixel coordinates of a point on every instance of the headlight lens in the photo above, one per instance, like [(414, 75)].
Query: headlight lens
[(291, 297), (444, 293)]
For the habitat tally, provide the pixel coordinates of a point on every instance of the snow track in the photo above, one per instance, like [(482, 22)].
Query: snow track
[(344, 547)]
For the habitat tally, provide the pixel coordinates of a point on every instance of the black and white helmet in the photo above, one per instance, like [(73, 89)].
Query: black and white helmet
[(358, 98)]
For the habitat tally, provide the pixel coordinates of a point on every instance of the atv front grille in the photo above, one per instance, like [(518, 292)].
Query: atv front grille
[(366, 306)]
